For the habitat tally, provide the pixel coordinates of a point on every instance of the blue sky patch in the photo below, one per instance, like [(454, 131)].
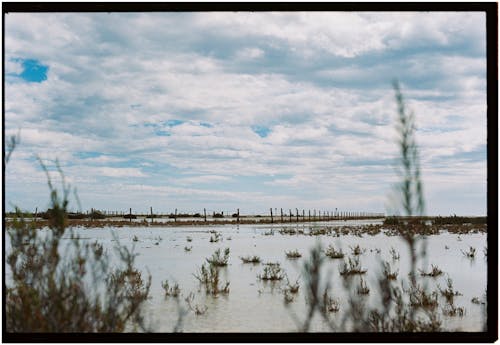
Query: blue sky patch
[(261, 131), (33, 70)]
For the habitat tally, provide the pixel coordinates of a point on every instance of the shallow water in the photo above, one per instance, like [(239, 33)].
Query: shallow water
[(256, 306)]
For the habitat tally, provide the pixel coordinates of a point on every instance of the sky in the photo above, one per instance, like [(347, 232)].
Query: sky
[(244, 110)]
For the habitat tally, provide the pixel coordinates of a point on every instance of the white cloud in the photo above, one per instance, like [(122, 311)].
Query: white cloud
[(115, 79)]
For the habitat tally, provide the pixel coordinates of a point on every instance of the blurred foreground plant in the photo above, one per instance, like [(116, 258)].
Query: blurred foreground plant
[(57, 283)]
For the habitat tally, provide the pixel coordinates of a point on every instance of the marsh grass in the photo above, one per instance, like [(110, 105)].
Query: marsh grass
[(449, 293), (471, 253), (332, 253), (330, 304), (293, 254), (351, 267), (363, 288), (219, 259), (434, 272), (272, 272), (250, 259), (170, 290), (209, 277), (197, 309), (420, 298), (394, 255), (356, 250), (388, 272)]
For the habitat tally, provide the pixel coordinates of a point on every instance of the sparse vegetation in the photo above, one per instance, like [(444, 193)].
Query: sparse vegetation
[(218, 259), (394, 255), (332, 253), (49, 292), (330, 304), (208, 276), (250, 259), (356, 250), (434, 272), (173, 290), (351, 267), (471, 253), (293, 254), (272, 272), (363, 288), (389, 274), (196, 308)]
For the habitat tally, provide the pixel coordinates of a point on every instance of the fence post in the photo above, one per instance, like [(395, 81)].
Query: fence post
[(271, 209), (309, 215), (238, 218), (130, 215), (281, 210), (205, 214)]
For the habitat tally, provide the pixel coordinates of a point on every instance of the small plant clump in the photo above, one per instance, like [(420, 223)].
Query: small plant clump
[(357, 250), (173, 290), (471, 253), (363, 288), (209, 277), (272, 272), (188, 249), (476, 300), (293, 254), (189, 239), (218, 259), (292, 288), (452, 310), (419, 298), (215, 237), (330, 304), (449, 293), (288, 297), (135, 238), (332, 253), (395, 255), (351, 267), (250, 259), (196, 308), (389, 274), (434, 272)]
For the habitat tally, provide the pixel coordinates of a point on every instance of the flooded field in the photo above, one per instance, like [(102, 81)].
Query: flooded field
[(255, 305)]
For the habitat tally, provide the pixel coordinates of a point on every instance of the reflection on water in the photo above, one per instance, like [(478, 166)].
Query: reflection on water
[(258, 306)]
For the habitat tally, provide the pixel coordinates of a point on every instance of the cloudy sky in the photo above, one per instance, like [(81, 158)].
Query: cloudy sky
[(248, 110)]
